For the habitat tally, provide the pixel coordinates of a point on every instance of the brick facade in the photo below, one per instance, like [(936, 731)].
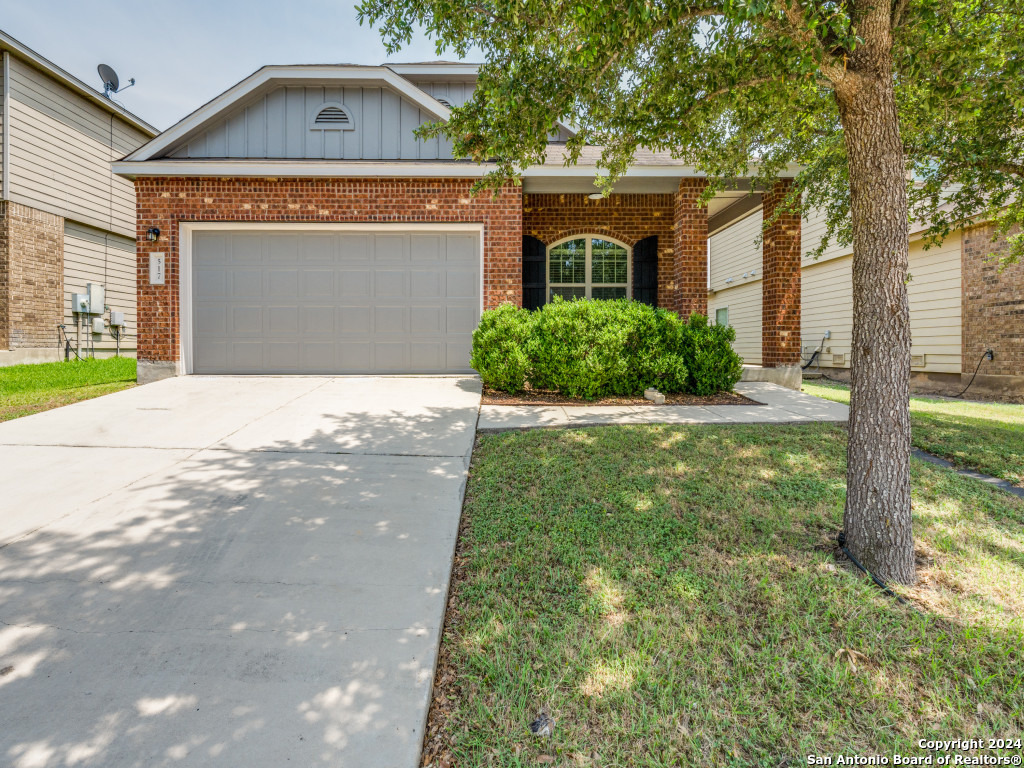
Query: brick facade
[(780, 281), (679, 223), (31, 276), (628, 218), (690, 235), (164, 202), (993, 305)]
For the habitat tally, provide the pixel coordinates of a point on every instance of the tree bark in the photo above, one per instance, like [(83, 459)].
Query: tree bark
[(877, 518)]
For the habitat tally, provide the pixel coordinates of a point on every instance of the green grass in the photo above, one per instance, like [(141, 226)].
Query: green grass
[(988, 437), (27, 389), (672, 594)]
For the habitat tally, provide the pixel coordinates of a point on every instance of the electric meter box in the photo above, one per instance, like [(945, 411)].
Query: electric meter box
[(117, 319), (96, 298), (97, 325), (80, 302)]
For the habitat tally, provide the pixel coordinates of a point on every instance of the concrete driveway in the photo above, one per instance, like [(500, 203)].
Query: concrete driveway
[(229, 571)]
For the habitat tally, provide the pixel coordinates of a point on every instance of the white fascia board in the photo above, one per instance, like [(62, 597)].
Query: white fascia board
[(453, 70), (635, 171), (270, 74), (306, 168)]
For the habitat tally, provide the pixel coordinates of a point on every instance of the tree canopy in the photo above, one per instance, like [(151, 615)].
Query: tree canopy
[(740, 87)]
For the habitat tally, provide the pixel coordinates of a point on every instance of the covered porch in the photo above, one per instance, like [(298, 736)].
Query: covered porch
[(648, 241)]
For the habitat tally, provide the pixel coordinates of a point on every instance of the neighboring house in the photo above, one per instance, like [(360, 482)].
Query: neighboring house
[(960, 306), (65, 219), (302, 227)]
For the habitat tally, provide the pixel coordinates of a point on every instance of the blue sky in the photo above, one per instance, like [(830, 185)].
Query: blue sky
[(185, 52)]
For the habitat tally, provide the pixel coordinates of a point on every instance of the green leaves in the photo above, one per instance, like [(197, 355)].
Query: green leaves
[(738, 87)]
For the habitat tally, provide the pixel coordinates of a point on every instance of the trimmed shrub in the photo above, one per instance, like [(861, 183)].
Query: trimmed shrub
[(592, 349), (712, 364), (499, 347)]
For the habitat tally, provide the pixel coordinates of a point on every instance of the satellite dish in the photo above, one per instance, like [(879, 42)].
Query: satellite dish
[(111, 83)]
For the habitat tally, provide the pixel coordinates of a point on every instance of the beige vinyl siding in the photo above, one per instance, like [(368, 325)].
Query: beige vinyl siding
[(734, 251), (3, 128), (826, 291), (935, 306), (61, 149), (812, 229), (93, 256), (744, 303)]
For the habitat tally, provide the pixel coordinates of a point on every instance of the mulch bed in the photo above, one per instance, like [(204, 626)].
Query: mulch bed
[(540, 397)]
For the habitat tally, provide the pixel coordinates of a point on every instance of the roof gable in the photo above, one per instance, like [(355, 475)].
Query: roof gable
[(388, 105)]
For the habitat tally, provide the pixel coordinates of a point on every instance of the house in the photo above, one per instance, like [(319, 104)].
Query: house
[(296, 224), (960, 306), (65, 219)]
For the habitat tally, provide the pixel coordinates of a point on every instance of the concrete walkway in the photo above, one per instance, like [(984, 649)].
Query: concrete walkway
[(229, 571), (779, 405)]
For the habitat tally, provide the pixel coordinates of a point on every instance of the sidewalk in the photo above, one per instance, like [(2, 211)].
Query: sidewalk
[(779, 405)]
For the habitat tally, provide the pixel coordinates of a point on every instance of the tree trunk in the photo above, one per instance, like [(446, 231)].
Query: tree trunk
[(877, 519)]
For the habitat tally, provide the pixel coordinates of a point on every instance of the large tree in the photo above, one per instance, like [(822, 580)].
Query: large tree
[(885, 105)]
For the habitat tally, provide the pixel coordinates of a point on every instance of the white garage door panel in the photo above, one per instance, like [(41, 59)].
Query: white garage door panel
[(334, 302)]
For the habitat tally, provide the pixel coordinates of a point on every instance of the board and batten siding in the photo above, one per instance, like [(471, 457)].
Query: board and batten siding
[(276, 125), (61, 146), (95, 256), (733, 252)]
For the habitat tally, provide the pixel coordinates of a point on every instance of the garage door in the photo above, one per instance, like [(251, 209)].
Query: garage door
[(334, 301)]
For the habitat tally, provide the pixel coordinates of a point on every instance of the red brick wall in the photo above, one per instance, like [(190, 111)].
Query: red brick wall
[(690, 231), (31, 276), (780, 282), (629, 218), (993, 305), (164, 202)]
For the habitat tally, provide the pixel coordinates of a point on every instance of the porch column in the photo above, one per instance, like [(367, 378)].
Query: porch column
[(780, 282), (690, 262)]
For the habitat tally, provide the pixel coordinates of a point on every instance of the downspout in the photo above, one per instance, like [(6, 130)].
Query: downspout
[(5, 160)]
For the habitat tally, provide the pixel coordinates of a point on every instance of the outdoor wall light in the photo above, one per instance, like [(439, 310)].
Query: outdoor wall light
[(153, 234)]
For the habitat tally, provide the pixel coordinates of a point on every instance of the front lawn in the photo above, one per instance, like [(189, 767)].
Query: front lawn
[(671, 593), (27, 389), (988, 437)]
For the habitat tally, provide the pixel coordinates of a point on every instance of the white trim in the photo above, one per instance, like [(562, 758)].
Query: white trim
[(292, 168), (439, 68), (5, 156), (187, 228), (588, 283), (315, 115), (274, 74)]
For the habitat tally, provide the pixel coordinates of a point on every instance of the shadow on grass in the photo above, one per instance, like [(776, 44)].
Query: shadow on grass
[(673, 593)]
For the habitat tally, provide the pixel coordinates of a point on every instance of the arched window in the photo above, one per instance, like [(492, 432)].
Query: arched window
[(331, 116), (589, 267)]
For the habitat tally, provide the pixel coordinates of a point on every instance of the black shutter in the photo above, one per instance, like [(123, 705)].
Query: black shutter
[(534, 272), (645, 271)]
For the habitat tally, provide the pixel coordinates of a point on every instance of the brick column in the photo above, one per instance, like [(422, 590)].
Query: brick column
[(780, 282), (690, 231)]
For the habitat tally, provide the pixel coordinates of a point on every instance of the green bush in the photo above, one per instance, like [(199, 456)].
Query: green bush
[(499, 347), (707, 350), (592, 349)]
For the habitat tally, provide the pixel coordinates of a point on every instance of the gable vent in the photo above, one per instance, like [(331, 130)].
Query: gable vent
[(445, 102), (332, 117)]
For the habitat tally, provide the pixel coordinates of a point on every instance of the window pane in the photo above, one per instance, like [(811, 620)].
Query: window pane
[(722, 316), (569, 293), (610, 262), (568, 262), (609, 293)]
